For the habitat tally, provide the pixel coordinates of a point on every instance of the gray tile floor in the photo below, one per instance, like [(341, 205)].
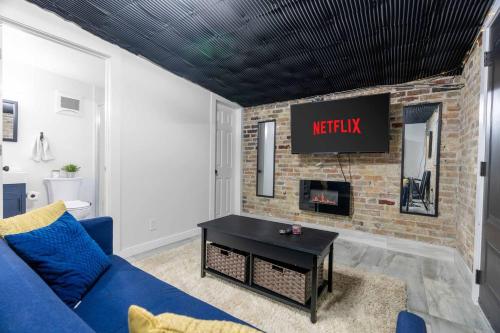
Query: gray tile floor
[(436, 290)]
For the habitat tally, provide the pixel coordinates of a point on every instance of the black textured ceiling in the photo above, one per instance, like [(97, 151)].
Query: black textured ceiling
[(260, 51)]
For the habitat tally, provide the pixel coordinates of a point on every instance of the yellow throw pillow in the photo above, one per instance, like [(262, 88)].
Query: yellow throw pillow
[(35, 219), (142, 321)]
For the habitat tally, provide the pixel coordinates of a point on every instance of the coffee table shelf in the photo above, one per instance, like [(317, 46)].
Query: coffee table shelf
[(269, 293)]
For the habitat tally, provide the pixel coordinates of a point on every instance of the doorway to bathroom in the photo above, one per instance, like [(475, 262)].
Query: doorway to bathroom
[(226, 156), (53, 98)]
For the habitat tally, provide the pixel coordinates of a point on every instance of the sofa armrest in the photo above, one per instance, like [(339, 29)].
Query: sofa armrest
[(410, 323), (101, 230)]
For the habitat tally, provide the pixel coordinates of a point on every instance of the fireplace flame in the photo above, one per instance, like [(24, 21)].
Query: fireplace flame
[(322, 199)]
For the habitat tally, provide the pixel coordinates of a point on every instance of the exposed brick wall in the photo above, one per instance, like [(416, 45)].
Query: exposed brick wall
[(375, 177), (469, 133)]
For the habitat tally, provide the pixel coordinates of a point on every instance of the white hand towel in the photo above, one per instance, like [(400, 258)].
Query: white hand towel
[(41, 150), (36, 155), (46, 153)]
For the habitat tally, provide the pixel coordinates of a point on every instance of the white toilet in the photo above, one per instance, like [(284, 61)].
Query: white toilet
[(67, 190)]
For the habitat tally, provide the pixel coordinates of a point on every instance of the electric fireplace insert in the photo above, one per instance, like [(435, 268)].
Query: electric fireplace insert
[(328, 197)]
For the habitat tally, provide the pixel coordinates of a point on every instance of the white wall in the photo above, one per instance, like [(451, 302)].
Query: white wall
[(414, 149), (31, 79), (431, 163), (1, 127), (165, 154), (158, 147)]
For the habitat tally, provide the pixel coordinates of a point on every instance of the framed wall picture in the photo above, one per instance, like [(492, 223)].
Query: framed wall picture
[(10, 120)]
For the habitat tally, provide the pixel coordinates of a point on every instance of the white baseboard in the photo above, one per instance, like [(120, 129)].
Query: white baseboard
[(151, 245), (385, 242)]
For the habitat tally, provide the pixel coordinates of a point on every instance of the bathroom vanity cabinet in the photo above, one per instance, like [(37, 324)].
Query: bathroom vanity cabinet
[(14, 199)]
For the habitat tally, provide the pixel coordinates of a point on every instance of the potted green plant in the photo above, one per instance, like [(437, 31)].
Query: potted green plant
[(71, 170)]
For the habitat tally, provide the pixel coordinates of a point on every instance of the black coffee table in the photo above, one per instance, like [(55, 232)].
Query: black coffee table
[(262, 238)]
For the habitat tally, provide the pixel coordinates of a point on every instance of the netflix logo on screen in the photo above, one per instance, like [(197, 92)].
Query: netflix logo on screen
[(359, 124), (347, 126)]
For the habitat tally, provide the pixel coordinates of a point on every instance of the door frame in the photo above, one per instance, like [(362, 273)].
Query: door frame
[(238, 110), (104, 180), (485, 109)]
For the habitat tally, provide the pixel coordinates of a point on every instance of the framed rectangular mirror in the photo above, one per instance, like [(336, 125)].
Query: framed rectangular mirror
[(420, 159), (266, 137), (10, 118)]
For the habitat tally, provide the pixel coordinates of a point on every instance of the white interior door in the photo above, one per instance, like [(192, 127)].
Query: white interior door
[(224, 160)]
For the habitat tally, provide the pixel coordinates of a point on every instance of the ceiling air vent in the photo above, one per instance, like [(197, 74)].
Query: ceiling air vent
[(67, 104)]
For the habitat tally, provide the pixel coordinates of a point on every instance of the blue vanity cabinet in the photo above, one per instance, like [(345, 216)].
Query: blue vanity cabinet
[(14, 199)]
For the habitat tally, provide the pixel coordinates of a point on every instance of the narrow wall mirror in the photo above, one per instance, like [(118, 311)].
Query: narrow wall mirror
[(420, 159), (10, 119), (266, 136)]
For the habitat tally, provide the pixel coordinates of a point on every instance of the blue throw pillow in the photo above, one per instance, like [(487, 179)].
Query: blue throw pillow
[(64, 255)]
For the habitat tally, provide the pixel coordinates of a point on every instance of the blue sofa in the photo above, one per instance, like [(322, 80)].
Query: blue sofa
[(27, 304), (410, 323)]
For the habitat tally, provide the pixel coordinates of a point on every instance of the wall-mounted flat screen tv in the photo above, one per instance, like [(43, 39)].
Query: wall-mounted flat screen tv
[(359, 124)]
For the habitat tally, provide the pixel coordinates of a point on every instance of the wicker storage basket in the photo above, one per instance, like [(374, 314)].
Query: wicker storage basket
[(293, 283), (227, 261)]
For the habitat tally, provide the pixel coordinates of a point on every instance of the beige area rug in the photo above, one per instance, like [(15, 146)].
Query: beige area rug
[(361, 301)]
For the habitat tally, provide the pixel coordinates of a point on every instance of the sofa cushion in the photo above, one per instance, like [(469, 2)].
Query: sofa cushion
[(123, 285), (35, 219), (64, 255), (27, 304)]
